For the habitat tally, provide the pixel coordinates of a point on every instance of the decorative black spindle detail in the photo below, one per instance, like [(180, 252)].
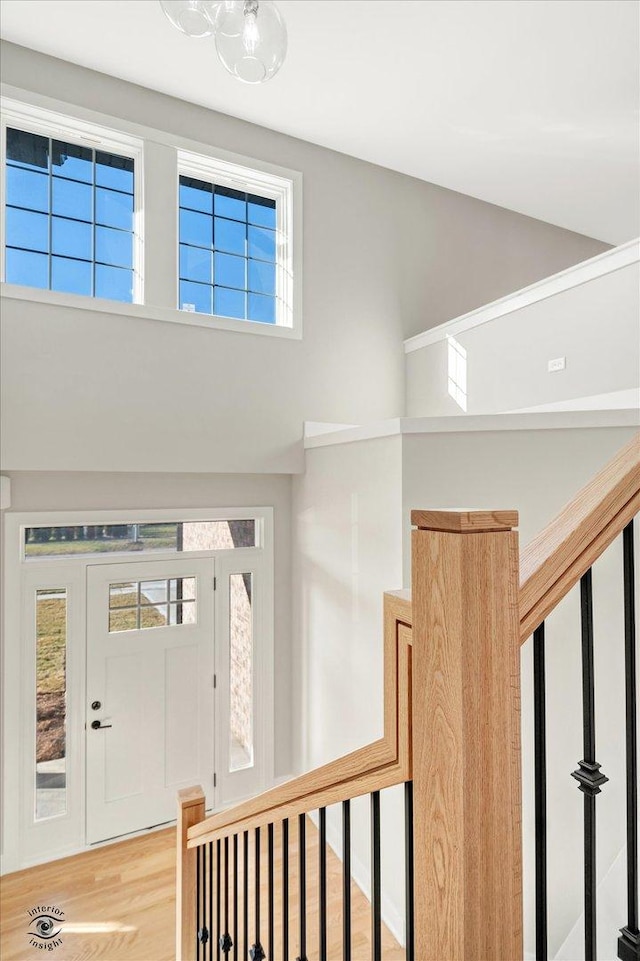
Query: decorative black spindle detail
[(257, 951), (285, 889), (210, 901), (588, 774), (245, 893), (346, 881), (322, 894), (376, 890), (225, 942), (270, 939), (235, 897), (540, 762), (408, 869), (202, 932), (218, 896), (629, 940), (302, 878)]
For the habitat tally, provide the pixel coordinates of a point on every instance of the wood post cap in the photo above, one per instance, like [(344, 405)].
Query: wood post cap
[(188, 796), (464, 521)]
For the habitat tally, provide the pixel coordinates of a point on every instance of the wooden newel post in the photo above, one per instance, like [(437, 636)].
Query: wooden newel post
[(191, 811), (466, 736)]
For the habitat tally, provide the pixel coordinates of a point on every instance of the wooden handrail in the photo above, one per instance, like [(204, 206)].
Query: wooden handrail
[(567, 547), (381, 764)]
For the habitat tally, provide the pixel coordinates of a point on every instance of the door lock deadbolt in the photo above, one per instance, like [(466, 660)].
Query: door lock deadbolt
[(96, 705)]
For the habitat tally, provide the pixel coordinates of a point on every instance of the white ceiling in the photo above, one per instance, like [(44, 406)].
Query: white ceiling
[(530, 104)]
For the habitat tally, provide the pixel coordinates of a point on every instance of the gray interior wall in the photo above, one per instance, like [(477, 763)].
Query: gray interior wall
[(385, 256), (52, 491), (595, 326), (537, 472)]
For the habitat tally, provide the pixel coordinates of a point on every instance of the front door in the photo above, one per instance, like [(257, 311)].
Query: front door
[(150, 677)]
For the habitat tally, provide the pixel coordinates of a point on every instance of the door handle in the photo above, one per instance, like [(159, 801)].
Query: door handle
[(99, 726)]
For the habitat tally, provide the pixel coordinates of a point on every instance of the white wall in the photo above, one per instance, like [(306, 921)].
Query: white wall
[(536, 472), (595, 326), (384, 255), (347, 551)]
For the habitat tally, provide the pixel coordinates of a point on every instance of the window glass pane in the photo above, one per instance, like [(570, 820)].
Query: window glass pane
[(64, 186), (181, 536), (153, 592), (70, 160), (261, 211), (71, 238), (182, 612), (240, 671), (114, 171), (114, 209), (196, 194), (124, 594), (27, 229), (195, 297), (230, 203), (262, 243), (196, 228), (155, 616), (262, 309), (262, 277), (229, 303), (125, 619), (27, 189), (27, 150), (114, 247), (114, 283), (230, 235), (30, 270), (72, 199), (182, 588), (51, 710), (71, 276), (196, 264), (230, 271)]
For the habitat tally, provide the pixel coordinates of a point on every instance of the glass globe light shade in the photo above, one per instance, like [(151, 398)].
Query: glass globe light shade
[(195, 18), (251, 39)]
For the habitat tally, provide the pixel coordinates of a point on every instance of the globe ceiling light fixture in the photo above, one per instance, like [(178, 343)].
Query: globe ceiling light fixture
[(251, 39), (195, 18)]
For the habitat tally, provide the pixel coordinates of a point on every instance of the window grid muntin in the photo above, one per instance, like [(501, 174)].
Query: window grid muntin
[(49, 172), (178, 605), (211, 189)]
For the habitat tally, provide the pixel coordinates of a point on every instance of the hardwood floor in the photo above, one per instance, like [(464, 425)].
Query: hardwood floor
[(119, 904)]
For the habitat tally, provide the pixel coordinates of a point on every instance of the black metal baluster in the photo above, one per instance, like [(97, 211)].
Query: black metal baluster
[(218, 918), (225, 939), (199, 928), (257, 951), (210, 915), (629, 940), (302, 878), (540, 788), (588, 773), (408, 869), (346, 880), (270, 938), (376, 891), (245, 893), (285, 889), (235, 897), (322, 931)]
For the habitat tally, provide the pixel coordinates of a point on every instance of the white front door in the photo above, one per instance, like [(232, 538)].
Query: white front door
[(150, 676)]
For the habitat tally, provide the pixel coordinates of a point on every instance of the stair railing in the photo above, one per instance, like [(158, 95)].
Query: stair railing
[(452, 737)]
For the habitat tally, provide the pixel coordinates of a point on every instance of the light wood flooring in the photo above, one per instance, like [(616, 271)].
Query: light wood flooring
[(119, 903)]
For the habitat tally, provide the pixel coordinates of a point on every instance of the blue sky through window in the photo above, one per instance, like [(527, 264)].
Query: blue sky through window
[(69, 217), (228, 252)]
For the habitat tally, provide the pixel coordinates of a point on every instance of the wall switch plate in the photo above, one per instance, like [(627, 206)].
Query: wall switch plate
[(558, 363)]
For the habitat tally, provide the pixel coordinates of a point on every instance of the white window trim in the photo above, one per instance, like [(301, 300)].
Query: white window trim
[(26, 842), (29, 100), (60, 126), (240, 177)]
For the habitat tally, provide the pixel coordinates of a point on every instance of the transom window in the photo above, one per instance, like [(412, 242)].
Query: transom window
[(228, 252), (69, 217)]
